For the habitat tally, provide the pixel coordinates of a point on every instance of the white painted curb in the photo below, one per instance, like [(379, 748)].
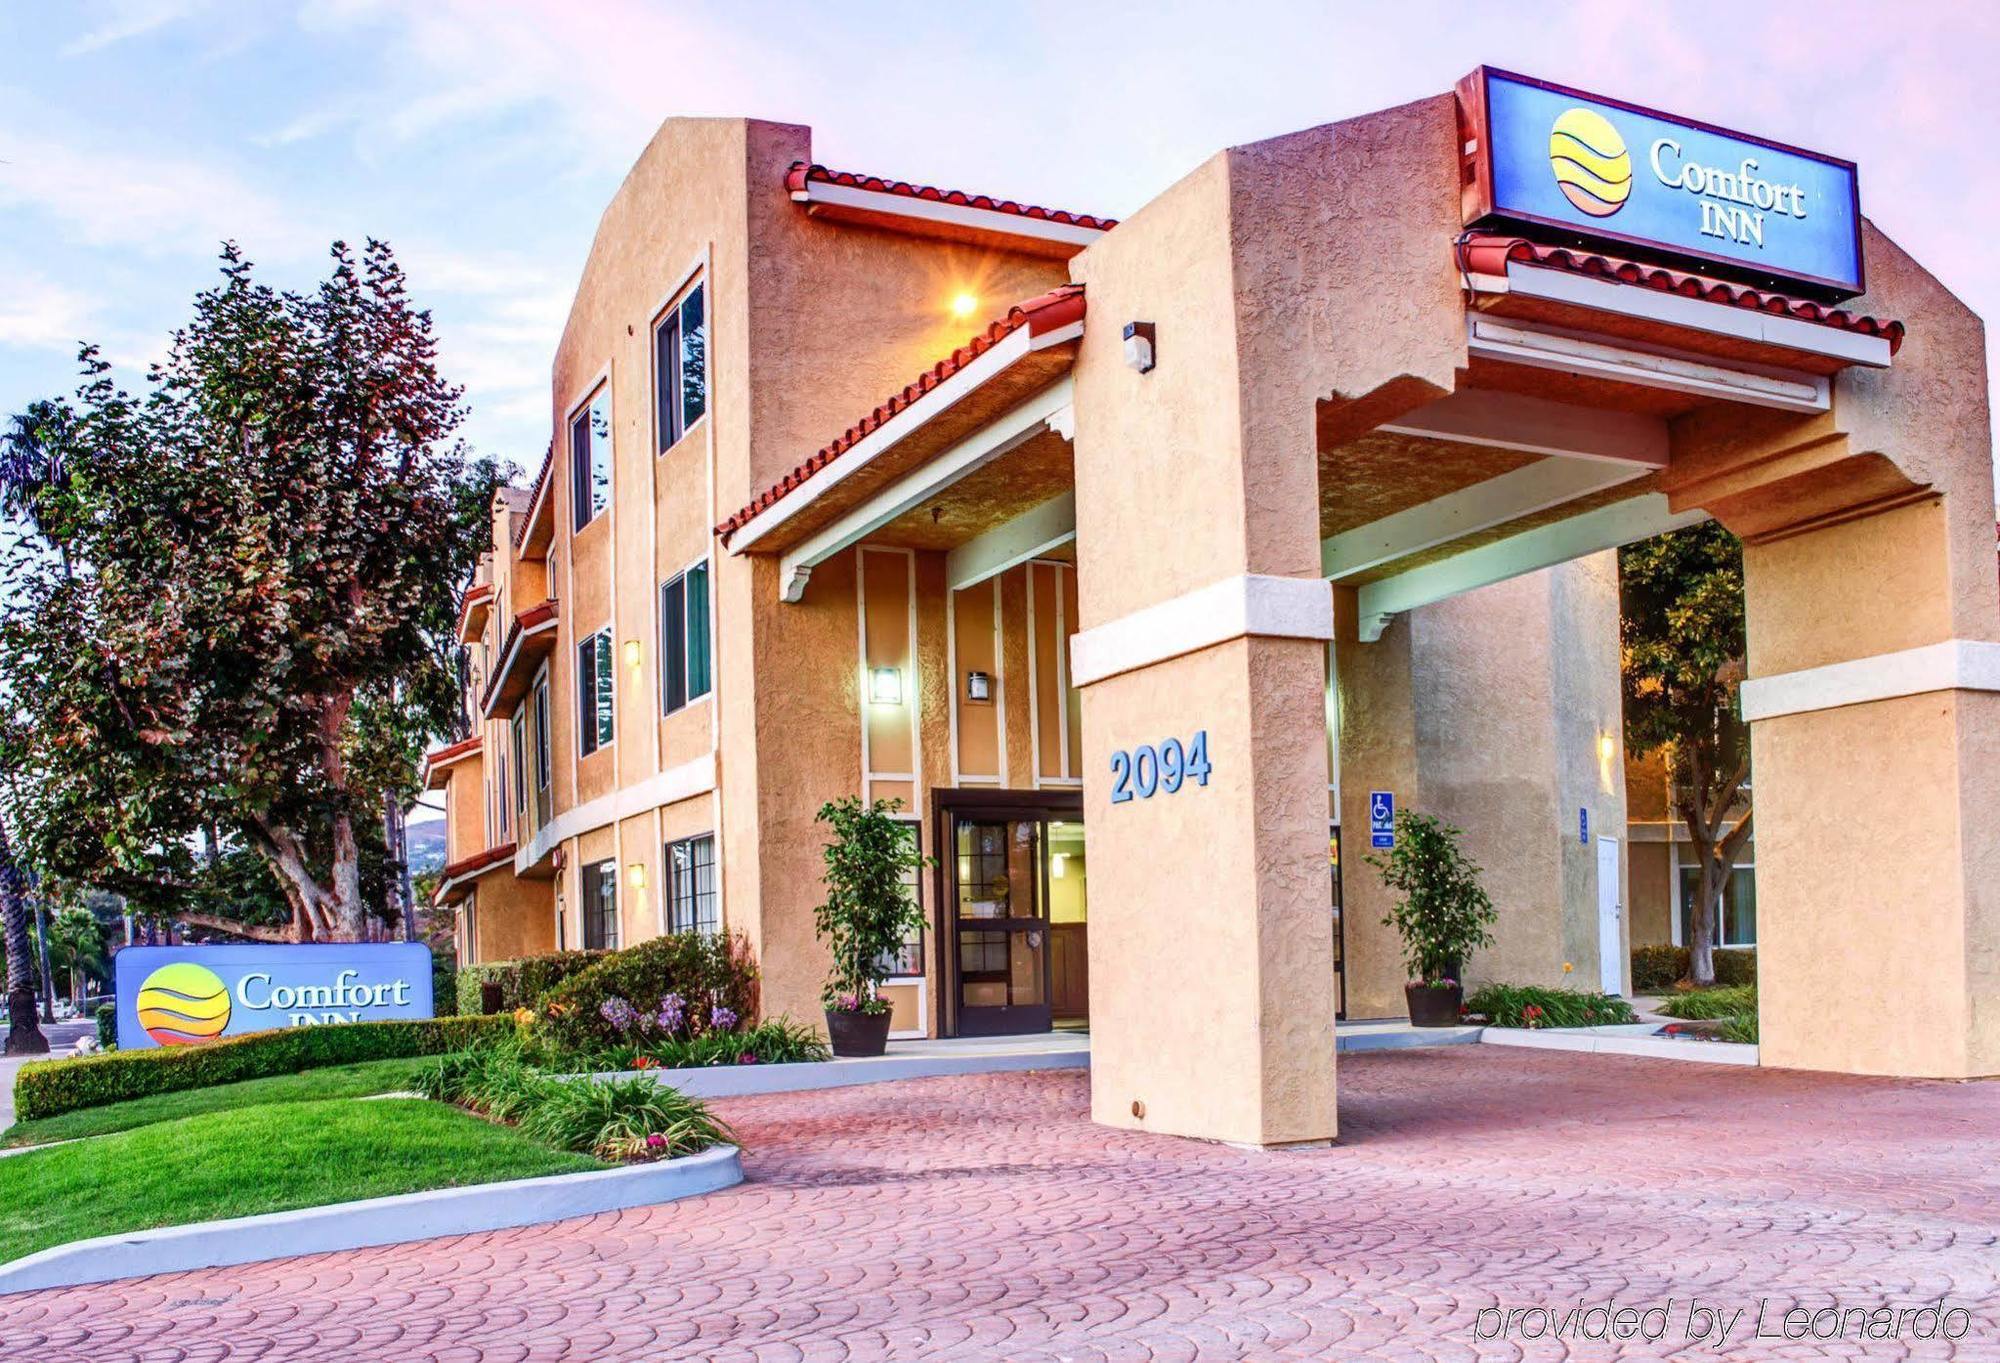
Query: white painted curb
[(373, 1221), (743, 1081), (1635, 1039)]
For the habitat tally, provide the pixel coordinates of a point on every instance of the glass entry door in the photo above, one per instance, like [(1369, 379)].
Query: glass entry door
[(996, 872)]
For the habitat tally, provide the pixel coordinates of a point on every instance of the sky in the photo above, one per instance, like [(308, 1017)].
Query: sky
[(482, 138)]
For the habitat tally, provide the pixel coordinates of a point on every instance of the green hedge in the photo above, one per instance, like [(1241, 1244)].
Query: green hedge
[(707, 971), (1662, 967), (47, 1088), (523, 981)]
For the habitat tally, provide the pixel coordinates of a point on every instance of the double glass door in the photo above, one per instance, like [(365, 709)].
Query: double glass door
[(998, 871)]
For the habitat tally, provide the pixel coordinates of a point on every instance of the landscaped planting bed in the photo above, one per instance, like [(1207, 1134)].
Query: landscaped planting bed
[(1536, 1006)]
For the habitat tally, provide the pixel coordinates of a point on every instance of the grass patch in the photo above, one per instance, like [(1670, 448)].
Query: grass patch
[(272, 1157), (1529, 1005), (335, 1081), (1707, 1004)]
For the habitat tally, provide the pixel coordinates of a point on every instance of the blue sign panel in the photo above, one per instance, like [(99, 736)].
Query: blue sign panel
[(1381, 818), (1614, 171), (1583, 826), (177, 996)]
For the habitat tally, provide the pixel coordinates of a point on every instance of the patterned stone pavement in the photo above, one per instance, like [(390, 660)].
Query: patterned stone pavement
[(986, 1218)]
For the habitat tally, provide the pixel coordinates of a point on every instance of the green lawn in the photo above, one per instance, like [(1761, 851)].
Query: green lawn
[(335, 1081), (266, 1158)]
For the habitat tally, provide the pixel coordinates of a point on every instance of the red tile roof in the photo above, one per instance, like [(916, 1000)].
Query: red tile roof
[(1055, 309), (1488, 253), (532, 618), (535, 493), (439, 757), (801, 174), (469, 866)]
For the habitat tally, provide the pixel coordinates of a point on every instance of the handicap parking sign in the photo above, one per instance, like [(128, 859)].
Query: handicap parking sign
[(1381, 818)]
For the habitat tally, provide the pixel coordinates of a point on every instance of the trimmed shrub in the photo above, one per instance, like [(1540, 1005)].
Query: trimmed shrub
[(47, 1088), (107, 1026), (1706, 1004), (780, 1041), (1661, 967), (523, 981), (1657, 967), (707, 972), (444, 981), (1529, 1005)]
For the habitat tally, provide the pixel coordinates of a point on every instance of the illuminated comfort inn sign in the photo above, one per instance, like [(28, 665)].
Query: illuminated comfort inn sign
[(178, 996), (1547, 156)]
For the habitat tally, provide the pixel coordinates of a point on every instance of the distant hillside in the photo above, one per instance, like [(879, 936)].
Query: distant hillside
[(426, 845)]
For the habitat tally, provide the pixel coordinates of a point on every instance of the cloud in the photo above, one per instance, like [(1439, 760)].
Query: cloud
[(36, 313), (131, 19)]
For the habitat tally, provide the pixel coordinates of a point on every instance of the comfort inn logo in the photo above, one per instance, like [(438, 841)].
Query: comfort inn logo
[(183, 1003), (1591, 164)]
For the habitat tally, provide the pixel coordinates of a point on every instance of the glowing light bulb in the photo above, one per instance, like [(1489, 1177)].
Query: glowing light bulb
[(964, 305)]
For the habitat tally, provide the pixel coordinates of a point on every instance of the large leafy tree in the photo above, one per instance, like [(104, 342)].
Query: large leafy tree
[(1682, 633), (229, 630)]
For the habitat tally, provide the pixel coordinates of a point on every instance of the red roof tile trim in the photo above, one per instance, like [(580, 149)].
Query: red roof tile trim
[(532, 618), (801, 174), (1488, 254), (535, 493), (472, 865), (437, 757), (1051, 311)]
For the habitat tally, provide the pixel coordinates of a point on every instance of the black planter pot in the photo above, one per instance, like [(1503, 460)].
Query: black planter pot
[(1433, 1005), (857, 1034)]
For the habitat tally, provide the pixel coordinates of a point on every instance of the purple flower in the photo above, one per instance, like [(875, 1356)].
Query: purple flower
[(673, 1012), (622, 1016), (747, 1058), (723, 1019)]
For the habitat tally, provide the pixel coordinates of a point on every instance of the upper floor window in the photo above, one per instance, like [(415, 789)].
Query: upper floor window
[(684, 647), (593, 691), (590, 458), (600, 906), (692, 905), (542, 734), (680, 368), (518, 732)]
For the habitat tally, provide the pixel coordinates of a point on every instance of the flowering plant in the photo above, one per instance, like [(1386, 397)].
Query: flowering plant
[(871, 1005)]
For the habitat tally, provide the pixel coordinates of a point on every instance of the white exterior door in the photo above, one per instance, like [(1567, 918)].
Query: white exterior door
[(1610, 934)]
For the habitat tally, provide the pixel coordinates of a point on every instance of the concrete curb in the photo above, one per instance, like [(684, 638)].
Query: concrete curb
[(743, 1081), (1635, 1039), (373, 1221), (1364, 1038)]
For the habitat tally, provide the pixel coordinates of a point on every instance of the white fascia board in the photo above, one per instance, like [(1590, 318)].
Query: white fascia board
[(1543, 547), (1718, 319), (1516, 421), (1019, 424), (1249, 604), (1032, 533), (488, 709), (1953, 665), (1607, 357), (691, 778), (1496, 501), (894, 431), (948, 214)]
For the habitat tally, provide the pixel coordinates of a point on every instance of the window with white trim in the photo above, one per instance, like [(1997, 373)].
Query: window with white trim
[(600, 906), (680, 368), (590, 458), (692, 902), (684, 638), (594, 686), (517, 729), (542, 737)]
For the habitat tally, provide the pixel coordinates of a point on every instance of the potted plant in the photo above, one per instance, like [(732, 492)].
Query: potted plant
[(1441, 912), (868, 913)]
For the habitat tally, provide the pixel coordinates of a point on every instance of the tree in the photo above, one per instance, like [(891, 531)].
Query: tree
[(869, 909), (242, 638), (24, 1032), (76, 942), (1681, 627)]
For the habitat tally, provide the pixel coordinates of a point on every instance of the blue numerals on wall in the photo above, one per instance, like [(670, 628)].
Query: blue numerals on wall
[(1141, 773)]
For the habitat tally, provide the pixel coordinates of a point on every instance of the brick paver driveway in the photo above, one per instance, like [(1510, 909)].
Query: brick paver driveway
[(985, 1218)]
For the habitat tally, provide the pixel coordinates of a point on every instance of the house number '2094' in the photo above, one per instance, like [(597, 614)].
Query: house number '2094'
[(1140, 773)]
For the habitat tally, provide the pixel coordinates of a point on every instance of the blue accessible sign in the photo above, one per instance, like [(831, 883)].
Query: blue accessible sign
[(178, 996), (1381, 818)]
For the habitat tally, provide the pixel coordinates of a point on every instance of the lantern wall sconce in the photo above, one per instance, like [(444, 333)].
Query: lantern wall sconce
[(1139, 345), (978, 687), (885, 685)]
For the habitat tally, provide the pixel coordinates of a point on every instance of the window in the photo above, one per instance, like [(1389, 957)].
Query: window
[(691, 898), (470, 956), (590, 458), (680, 368), (519, 733), (684, 648), (593, 691), (1736, 925), (503, 802), (600, 906), (542, 734), (910, 959)]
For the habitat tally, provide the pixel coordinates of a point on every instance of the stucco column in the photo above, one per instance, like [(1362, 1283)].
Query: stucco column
[(1875, 747)]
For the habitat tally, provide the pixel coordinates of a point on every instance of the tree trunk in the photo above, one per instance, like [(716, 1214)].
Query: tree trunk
[(24, 1033), (1701, 922)]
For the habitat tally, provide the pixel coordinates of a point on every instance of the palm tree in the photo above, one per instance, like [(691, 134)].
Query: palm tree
[(24, 1032), (76, 941)]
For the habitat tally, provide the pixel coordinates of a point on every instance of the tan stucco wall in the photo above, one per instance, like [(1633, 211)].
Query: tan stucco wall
[(1650, 892), (514, 917)]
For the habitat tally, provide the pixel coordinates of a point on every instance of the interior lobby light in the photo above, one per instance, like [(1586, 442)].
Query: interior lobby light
[(964, 305), (1058, 864), (885, 685)]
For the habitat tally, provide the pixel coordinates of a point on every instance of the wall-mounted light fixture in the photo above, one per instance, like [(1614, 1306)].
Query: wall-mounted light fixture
[(885, 685), (978, 686), (963, 305), (631, 653), (1139, 345), (635, 875)]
